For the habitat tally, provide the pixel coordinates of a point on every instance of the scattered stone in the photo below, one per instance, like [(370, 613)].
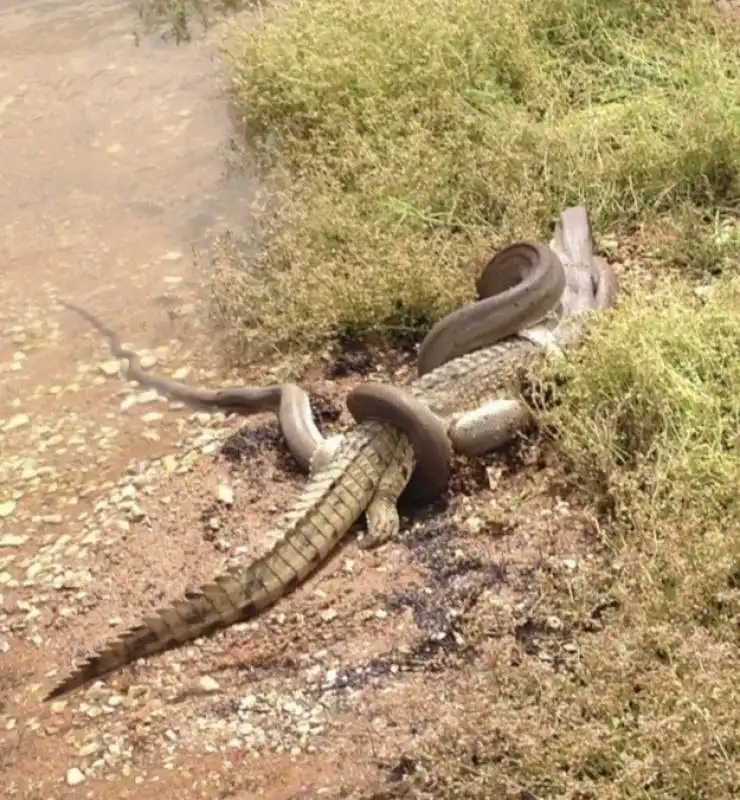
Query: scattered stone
[(704, 292), (475, 524), (139, 399), (110, 368), (13, 540), (226, 494), (75, 777), (89, 749), (136, 513), (7, 507), (16, 421), (209, 684)]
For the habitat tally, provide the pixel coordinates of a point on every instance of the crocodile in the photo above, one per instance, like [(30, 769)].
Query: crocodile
[(471, 397)]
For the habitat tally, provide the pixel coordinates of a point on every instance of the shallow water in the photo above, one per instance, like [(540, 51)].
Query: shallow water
[(112, 149)]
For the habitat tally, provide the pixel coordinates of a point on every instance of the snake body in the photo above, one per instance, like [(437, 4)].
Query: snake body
[(289, 400), (518, 286)]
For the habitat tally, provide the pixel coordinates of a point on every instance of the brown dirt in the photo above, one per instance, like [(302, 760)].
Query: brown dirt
[(110, 152)]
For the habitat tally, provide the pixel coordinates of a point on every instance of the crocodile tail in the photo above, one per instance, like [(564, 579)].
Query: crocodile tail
[(235, 596)]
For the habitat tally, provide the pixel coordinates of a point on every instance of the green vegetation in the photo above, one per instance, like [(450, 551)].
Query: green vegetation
[(410, 140), (626, 683)]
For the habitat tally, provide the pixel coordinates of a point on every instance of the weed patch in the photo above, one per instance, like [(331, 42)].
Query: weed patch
[(414, 138), (411, 140)]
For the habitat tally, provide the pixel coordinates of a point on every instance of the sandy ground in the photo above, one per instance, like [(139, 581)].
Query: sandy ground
[(111, 500)]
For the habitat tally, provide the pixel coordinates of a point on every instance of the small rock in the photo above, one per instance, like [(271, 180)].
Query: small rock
[(704, 292), (75, 777), (208, 684), (494, 476), (475, 524), (16, 421), (329, 614), (141, 398), (129, 492), (7, 507), (136, 513), (110, 369), (225, 494), (13, 540), (89, 749), (249, 702)]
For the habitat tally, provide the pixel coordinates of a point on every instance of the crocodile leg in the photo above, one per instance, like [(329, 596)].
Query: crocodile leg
[(381, 515), (488, 427)]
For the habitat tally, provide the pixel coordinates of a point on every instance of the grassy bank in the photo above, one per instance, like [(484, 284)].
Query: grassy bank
[(415, 137)]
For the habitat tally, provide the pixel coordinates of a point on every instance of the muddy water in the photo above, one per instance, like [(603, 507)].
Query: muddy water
[(111, 155)]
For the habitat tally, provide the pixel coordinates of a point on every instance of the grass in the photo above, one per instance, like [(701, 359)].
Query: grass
[(632, 691), (413, 138), (410, 140)]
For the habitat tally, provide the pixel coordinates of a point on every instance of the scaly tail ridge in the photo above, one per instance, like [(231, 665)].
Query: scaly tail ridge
[(320, 517), (234, 596)]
